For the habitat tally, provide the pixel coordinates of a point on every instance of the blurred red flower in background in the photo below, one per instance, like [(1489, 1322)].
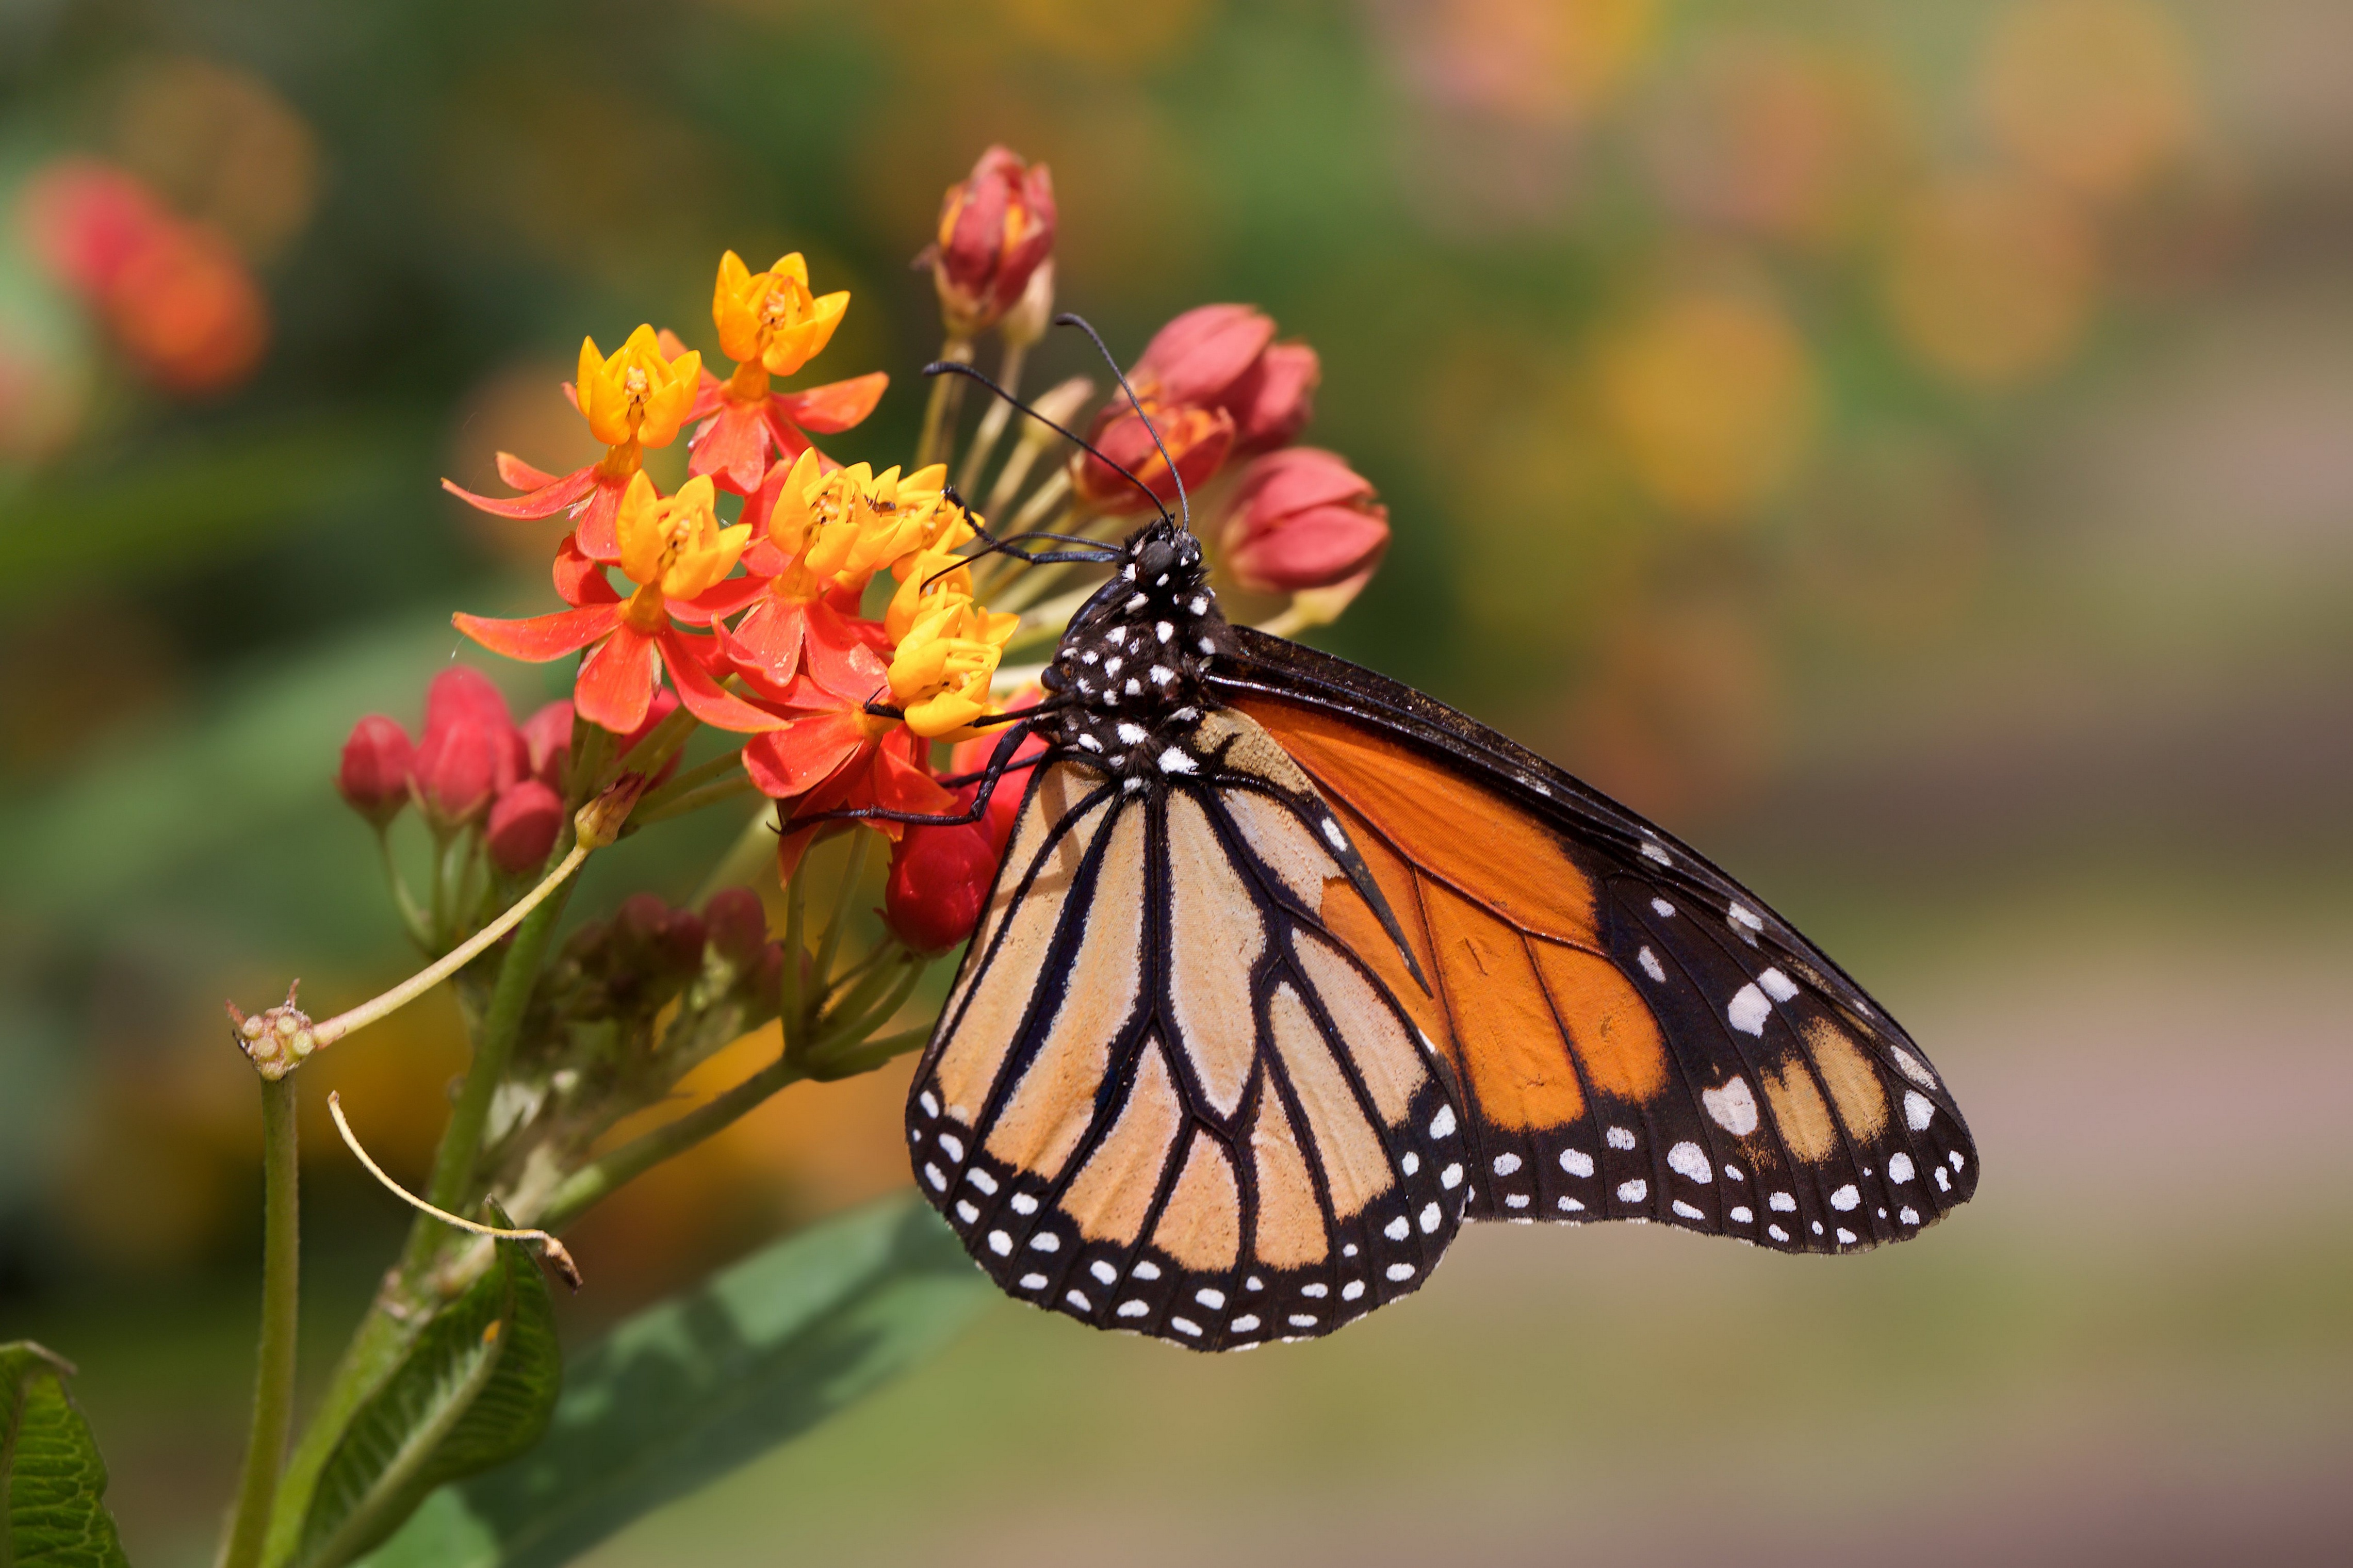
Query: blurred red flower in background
[(1302, 518), (996, 228)]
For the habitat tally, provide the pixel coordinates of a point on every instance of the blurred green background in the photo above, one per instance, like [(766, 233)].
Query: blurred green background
[(1907, 450)]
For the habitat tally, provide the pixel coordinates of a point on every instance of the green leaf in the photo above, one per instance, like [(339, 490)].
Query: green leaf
[(476, 1389), (52, 1482), (690, 1389)]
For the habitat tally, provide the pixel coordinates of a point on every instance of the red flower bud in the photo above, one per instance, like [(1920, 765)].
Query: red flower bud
[(522, 826), (374, 775), (1005, 800), (735, 925), (1275, 398), (994, 229), (669, 939), (1199, 356), (940, 877), (547, 743), (86, 220), (471, 750), (1199, 439), (1304, 518)]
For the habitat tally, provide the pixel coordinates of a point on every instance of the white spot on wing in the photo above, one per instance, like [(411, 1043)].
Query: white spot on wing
[(1899, 1168), (1175, 761), (1741, 1216), (1442, 1124), (1634, 1192), (1666, 910), (1778, 985), (1185, 1326), (1033, 1282), (1317, 1291), (983, 1180), (953, 1145), (1652, 966), (1506, 1163), (1576, 1161), (1782, 1203), (1451, 1177), (1570, 1206), (1651, 851), (1746, 921), (1397, 1229), (1023, 1203), (1431, 1218), (1103, 1271), (1352, 1289), (1409, 1163), (931, 1106), (1131, 734), (1079, 1301), (999, 1243), (966, 1210), (1619, 1138), (1045, 1241), (932, 1174), (1400, 1271), (1244, 1323), (1134, 1309), (1689, 1160), (1845, 1198), (1688, 1210), (1749, 1011), (1917, 1109), (1147, 1269)]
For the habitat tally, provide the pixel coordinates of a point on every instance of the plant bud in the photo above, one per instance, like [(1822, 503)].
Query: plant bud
[(1027, 322), (995, 229), (470, 751), (1275, 398), (522, 826), (1198, 441), (547, 743), (1198, 357), (374, 779), (940, 877), (735, 926), (1302, 518)]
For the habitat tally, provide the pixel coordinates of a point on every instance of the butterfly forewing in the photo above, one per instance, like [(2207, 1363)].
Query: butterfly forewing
[(1167, 1094)]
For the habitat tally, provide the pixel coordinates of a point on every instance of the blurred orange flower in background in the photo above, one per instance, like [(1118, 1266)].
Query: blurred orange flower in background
[(1990, 279), (2094, 95)]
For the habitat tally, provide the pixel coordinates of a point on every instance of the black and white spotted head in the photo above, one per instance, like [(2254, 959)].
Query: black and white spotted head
[(1135, 659)]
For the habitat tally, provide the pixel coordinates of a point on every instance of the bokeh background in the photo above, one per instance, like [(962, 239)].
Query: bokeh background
[(1906, 449)]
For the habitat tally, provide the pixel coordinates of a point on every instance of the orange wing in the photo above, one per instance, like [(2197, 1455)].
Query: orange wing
[(1636, 1036)]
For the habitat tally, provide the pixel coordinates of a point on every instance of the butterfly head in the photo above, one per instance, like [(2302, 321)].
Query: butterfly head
[(1136, 660)]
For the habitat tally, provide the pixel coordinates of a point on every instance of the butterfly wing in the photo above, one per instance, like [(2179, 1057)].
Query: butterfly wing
[(1162, 1095), (1635, 1035)]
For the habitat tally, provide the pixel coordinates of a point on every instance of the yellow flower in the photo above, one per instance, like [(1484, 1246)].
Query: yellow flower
[(637, 395), (941, 673), (844, 526), (771, 316), (676, 547)]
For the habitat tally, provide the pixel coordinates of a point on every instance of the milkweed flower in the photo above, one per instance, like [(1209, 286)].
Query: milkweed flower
[(1302, 518), (633, 399), (941, 673), (996, 228), (671, 550), (771, 325)]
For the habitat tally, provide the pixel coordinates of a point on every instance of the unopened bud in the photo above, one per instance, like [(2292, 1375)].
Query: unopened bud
[(275, 1041), (600, 822), (374, 778), (1274, 400), (737, 926), (996, 228), (940, 877), (522, 826), (471, 750), (1302, 518), (547, 743)]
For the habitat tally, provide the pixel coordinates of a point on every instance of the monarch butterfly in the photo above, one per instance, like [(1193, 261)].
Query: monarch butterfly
[(1290, 971)]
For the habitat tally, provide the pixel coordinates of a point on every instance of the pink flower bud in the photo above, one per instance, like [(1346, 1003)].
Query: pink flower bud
[(669, 940), (547, 743), (994, 229), (522, 826), (1198, 358), (470, 751), (735, 925), (1275, 398), (374, 775), (940, 877), (1302, 518), (1199, 439)]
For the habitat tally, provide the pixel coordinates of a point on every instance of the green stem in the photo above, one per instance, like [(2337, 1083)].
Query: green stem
[(274, 1378), (938, 441), (853, 868), (677, 784), (411, 918), (462, 1143), (871, 1055), (660, 744), (869, 1007), (592, 1181), (694, 800), (992, 423)]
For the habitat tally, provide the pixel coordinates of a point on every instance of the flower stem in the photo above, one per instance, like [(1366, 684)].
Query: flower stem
[(686, 779), (592, 1181), (462, 1143), (938, 442), (830, 944), (550, 1248), (411, 918), (455, 959), (274, 1378), (992, 423), (694, 799)]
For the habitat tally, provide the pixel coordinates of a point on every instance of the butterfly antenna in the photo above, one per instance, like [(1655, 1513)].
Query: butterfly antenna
[(949, 367), (1068, 318)]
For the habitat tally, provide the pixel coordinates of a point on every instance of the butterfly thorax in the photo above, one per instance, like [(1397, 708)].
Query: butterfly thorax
[(1132, 664)]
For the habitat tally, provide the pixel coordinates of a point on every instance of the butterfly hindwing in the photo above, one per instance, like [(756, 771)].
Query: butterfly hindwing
[(1165, 1094), (1636, 1036)]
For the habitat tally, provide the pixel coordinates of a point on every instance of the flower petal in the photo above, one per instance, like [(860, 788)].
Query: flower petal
[(835, 406), (541, 638), (516, 474), (705, 698), (615, 685), (797, 757), (545, 502), (580, 580), (732, 447)]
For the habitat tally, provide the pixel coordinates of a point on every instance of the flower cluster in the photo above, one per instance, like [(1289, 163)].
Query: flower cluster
[(838, 617)]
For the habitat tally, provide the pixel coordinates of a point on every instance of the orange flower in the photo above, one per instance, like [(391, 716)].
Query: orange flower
[(771, 324)]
